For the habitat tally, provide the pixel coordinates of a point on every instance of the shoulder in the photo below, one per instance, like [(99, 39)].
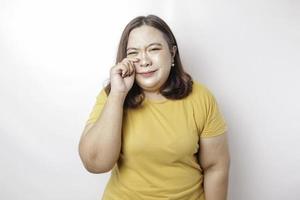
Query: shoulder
[(202, 96), (197, 85), (200, 90)]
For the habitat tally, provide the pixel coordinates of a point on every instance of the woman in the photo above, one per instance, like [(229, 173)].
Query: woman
[(160, 132)]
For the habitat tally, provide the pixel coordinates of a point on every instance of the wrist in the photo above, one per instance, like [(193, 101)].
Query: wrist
[(117, 95)]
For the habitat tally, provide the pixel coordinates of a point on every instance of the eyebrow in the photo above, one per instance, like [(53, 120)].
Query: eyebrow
[(155, 43)]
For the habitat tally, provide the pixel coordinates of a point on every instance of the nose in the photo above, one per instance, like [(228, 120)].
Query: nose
[(145, 61)]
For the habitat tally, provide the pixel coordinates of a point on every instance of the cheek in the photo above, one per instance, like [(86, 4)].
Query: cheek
[(164, 71), (162, 59)]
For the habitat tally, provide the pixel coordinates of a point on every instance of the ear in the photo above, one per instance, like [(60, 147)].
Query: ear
[(173, 53)]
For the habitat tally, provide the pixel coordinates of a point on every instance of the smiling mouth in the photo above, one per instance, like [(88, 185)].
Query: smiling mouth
[(148, 74)]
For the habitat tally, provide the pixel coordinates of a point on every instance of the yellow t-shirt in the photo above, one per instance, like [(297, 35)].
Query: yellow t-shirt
[(160, 142)]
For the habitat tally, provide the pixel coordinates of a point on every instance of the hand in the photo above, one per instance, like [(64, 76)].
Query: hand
[(122, 76)]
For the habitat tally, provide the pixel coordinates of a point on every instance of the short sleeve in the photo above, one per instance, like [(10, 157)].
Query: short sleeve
[(97, 108), (214, 123)]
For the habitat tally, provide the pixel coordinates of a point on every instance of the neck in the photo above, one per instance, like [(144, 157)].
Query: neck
[(154, 95)]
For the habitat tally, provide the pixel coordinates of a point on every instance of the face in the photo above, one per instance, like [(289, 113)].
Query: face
[(148, 44)]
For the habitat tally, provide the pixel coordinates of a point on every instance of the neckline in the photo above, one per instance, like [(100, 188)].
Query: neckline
[(156, 101)]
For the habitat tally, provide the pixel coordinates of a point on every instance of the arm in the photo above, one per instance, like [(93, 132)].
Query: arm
[(100, 143), (214, 159)]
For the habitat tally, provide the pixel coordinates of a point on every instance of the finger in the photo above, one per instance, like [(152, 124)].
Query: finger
[(116, 68), (121, 68), (125, 69), (132, 68), (132, 59), (132, 64), (129, 65)]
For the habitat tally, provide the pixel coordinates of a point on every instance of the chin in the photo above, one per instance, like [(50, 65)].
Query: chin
[(147, 84)]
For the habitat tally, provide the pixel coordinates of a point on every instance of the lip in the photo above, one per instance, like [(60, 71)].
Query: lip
[(148, 74)]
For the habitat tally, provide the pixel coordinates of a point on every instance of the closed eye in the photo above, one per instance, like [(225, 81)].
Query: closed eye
[(154, 49), (131, 53)]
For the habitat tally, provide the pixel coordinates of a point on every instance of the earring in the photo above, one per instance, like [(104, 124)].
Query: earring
[(173, 64)]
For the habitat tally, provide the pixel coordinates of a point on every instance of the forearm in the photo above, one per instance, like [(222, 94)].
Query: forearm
[(216, 183), (102, 143)]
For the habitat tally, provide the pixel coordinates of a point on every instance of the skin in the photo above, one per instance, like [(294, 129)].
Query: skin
[(149, 46), (214, 158), (214, 153), (100, 142)]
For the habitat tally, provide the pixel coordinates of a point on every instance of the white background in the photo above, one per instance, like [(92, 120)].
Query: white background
[(55, 57)]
